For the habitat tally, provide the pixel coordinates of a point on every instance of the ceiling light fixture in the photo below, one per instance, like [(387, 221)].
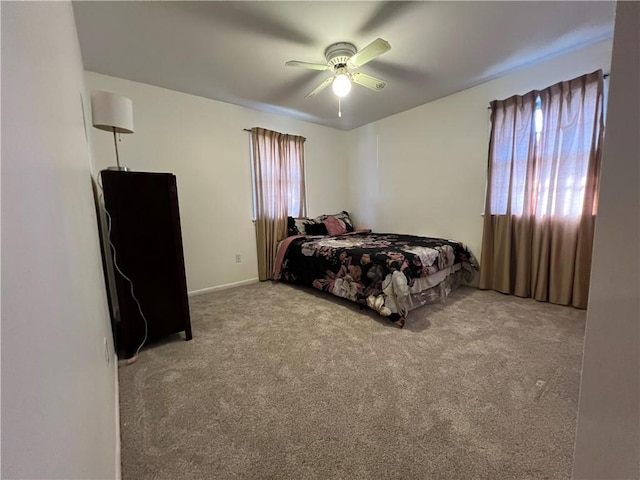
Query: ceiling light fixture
[(341, 84)]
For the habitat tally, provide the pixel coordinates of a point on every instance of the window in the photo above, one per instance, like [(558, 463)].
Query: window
[(278, 174), (537, 117), (541, 148), (513, 122)]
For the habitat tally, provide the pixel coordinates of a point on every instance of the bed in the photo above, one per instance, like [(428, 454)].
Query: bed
[(387, 272)]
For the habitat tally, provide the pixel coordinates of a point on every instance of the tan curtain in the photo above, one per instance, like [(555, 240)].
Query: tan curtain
[(543, 178), (278, 168)]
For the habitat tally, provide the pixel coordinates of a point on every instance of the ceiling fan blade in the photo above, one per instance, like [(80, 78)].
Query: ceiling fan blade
[(368, 81), (320, 87), (368, 53), (385, 13), (311, 66)]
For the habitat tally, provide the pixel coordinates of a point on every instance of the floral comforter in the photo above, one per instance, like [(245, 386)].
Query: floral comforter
[(374, 269)]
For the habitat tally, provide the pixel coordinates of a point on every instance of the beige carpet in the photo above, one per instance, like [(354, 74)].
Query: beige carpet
[(282, 382)]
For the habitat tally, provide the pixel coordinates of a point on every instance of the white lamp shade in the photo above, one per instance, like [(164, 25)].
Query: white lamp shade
[(111, 112), (341, 85)]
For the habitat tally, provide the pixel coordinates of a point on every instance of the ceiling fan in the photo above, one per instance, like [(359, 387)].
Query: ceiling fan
[(342, 59)]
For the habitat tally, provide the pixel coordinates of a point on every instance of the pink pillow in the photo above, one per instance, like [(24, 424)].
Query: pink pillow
[(334, 226)]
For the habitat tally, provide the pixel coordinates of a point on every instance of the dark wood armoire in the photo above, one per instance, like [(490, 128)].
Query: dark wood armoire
[(146, 238)]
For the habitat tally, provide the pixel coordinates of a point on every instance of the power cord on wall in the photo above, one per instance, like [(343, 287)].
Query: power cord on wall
[(119, 270)]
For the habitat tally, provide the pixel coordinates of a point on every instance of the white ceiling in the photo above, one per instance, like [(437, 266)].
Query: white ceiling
[(235, 51)]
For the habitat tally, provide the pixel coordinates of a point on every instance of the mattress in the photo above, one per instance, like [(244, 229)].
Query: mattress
[(389, 273)]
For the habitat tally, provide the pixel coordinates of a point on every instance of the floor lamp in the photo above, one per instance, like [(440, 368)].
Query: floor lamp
[(113, 113)]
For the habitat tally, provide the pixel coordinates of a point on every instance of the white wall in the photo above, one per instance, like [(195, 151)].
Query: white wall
[(203, 143), (423, 171), (58, 390), (608, 435)]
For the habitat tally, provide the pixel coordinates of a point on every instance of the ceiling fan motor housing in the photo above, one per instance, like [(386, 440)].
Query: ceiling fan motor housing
[(339, 53)]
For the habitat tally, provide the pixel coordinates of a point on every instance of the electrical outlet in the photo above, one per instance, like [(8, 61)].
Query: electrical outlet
[(238, 258)]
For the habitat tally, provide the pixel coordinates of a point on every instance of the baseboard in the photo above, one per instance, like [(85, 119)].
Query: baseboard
[(222, 287), (118, 451)]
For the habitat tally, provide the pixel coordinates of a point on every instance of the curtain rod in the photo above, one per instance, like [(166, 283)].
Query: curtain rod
[(290, 134), (606, 75)]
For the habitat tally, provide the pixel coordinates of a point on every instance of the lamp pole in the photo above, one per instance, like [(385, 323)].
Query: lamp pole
[(115, 144)]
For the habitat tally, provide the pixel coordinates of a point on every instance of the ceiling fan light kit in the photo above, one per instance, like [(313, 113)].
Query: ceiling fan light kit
[(341, 85), (342, 58)]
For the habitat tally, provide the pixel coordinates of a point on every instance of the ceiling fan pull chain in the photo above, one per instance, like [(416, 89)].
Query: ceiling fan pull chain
[(339, 108)]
